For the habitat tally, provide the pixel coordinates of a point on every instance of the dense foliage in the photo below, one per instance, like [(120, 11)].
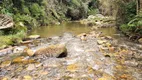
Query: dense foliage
[(131, 22), (133, 28), (31, 12), (28, 14), (126, 11)]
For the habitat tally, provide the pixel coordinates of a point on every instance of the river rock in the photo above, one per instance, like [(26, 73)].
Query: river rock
[(58, 50), (5, 63), (108, 37), (140, 40), (100, 42), (29, 52), (82, 34), (6, 51), (131, 63), (26, 42), (90, 17), (94, 28), (31, 67), (34, 36), (19, 49)]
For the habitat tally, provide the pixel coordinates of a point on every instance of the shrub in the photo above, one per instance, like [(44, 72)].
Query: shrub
[(76, 2), (93, 11), (25, 10), (130, 10), (26, 19), (35, 10), (12, 38), (133, 27)]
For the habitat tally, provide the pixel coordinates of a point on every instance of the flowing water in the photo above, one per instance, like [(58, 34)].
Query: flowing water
[(84, 61), (122, 41)]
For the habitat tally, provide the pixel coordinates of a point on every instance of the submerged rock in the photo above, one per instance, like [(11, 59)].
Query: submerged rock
[(58, 50)]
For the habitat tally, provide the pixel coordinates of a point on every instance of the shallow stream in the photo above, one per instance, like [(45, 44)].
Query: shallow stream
[(85, 59)]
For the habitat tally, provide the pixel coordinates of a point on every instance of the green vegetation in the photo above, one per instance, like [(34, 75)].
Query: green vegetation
[(12, 38), (93, 11), (28, 14), (76, 2), (31, 13), (34, 13), (131, 22), (134, 27), (93, 7), (126, 11), (14, 35)]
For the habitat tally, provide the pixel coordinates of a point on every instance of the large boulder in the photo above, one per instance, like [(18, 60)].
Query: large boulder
[(58, 50)]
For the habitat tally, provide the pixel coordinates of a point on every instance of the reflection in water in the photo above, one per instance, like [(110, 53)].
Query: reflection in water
[(57, 30)]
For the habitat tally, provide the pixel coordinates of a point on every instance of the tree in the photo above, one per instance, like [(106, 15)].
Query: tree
[(139, 6)]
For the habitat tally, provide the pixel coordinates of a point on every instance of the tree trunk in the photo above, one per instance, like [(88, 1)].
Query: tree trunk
[(139, 6)]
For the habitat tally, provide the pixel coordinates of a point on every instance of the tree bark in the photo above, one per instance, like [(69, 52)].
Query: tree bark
[(139, 6)]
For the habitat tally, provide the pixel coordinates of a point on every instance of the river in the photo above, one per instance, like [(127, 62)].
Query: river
[(86, 59)]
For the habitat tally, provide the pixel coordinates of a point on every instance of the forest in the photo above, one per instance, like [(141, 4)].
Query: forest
[(70, 39)]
